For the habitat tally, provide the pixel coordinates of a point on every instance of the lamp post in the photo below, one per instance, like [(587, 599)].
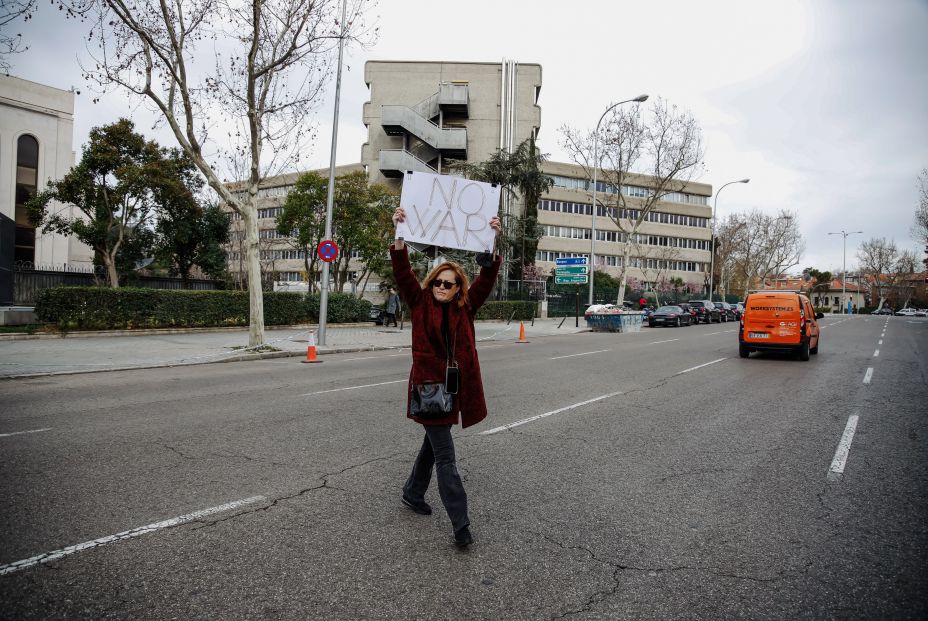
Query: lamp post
[(715, 203), (638, 99), (844, 268)]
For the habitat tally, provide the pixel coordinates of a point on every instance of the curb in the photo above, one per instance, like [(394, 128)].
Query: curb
[(233, 358), (84, 334)]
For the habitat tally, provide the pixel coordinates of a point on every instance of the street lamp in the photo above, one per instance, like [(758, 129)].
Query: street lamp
[(715, 203), (638, 99), (844, 268)]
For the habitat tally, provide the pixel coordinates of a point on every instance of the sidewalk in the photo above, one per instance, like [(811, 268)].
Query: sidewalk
[(32, 357)]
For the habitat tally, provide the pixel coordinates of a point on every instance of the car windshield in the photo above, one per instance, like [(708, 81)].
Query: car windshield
[(669, 309)]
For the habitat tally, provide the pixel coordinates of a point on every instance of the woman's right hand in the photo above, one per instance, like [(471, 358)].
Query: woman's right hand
[(399, 216)]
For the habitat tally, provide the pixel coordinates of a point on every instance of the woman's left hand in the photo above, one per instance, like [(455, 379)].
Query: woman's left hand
[(496, 225)]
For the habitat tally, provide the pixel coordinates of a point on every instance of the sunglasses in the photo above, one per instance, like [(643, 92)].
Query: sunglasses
[(447, 284)]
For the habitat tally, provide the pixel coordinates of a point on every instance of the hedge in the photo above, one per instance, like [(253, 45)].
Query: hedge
[(99, 308), (523, 310)]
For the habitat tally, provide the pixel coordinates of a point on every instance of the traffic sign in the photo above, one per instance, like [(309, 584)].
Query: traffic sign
[(571, 269), (573, 261), (570, 279), (327, 250)]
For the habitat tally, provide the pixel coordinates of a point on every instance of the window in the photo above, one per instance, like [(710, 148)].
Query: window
[(27, 175)]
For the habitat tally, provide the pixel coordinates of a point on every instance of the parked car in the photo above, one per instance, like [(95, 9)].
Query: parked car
[(883, 311), (669, 316), (779, 321), (921, 312), (906, 312), (706, 311), (739, 310), (377, 315), (726, 312), (689, 309)]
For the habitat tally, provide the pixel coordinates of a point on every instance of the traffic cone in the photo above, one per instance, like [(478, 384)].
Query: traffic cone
[(521, 333), (311, 349)]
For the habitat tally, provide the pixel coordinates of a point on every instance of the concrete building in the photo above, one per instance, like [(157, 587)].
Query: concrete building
[(673, 242), (36, 133)]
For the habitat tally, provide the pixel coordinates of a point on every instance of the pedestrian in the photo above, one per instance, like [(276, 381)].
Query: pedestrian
[(391, 308), (642, 303), (444, 366)]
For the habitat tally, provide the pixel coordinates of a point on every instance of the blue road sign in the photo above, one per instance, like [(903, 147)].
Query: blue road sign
[(573, 261)]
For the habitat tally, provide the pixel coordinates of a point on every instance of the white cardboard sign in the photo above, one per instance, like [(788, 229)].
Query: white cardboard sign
[(446, 211)]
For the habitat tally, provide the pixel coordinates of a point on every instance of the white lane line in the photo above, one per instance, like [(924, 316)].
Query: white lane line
[(586, 353), (16, 433), (700, 366), (659, 342), (868, 375), (128, 534), (546, 414), (376, 357), (321, 392), (714, 333), (844, 447), (876, 353), (880, 342), (730, 331)]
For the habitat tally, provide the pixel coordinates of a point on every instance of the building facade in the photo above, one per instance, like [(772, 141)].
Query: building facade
[(36, 133), (674, 242)]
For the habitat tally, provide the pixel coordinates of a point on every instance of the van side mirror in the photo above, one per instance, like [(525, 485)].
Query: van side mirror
[(819, 315)]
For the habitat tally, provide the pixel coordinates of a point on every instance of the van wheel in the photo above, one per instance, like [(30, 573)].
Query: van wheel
[(743, 351), (804, 351), (814, 350)]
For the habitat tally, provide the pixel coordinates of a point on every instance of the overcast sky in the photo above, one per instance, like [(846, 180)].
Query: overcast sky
[(824, 105)]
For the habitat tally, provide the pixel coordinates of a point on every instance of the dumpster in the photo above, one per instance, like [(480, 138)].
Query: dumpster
[(614, 321)]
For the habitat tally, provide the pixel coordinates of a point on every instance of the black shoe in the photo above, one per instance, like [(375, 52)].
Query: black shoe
[(463, 538), (421, 507)]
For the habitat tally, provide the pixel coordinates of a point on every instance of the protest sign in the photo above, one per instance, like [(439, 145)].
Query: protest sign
[(446, 211)]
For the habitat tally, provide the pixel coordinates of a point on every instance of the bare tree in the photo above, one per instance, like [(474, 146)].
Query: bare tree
[(236, 82), (920, 228), (759, 246), (664, 144), (12, 11), (656, 266), (877, 257)]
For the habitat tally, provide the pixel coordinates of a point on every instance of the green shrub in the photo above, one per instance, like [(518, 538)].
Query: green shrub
[(523, 309), (822, 309), (99, 308)]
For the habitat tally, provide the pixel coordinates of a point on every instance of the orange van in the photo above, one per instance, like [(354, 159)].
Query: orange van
[(778, 321)]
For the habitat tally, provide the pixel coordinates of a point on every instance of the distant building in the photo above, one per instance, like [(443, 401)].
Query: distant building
[(36, 128)]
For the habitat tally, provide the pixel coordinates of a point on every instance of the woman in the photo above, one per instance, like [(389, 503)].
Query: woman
[(443, 308)]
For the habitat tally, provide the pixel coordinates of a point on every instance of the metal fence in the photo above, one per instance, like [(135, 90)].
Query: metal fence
[(28, 283)]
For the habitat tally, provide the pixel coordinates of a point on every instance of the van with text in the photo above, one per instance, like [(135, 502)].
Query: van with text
[(780, 321)]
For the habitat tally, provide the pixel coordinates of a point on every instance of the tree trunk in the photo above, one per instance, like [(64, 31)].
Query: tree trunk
[(255, 293), (624, 277), (111, 274)]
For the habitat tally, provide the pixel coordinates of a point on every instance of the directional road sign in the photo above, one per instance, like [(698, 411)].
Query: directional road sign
[(573, 261), (560, 270), (570, 279)]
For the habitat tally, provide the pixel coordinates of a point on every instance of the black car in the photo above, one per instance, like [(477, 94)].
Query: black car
[(377, 315), (726, 311), (669, 316), (689, 309), (706, 311)]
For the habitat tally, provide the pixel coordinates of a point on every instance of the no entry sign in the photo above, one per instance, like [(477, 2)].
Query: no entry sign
[(327, 250)]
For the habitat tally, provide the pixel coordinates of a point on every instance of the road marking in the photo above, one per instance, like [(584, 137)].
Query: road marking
[(376, 357), (659, 342), (321, 392), (700, 366), (714, 333), (868, 375), (876, 353), (16, 433), (844, 447), (128, 534), (880, 342), (730, 331), (586, 353), (546, 414)]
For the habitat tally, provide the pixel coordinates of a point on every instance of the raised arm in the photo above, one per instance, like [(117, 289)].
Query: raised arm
[(480, 289), (406, 282)]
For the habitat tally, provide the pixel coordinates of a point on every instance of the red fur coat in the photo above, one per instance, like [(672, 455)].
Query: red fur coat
[(428, 347)]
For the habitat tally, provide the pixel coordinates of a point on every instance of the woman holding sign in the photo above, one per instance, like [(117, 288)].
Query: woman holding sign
[(444, 385)]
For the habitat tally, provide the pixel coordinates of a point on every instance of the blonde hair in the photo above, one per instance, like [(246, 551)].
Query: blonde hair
[(459, 274)]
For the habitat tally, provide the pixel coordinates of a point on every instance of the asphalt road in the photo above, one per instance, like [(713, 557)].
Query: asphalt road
[(650, 475)]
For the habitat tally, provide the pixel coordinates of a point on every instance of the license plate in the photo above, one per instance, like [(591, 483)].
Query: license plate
[(758, 335)]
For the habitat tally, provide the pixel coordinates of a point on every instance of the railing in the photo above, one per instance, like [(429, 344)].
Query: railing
[(28, 283)]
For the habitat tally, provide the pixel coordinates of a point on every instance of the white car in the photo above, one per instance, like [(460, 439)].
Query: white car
[(906, 312), (921, 312)]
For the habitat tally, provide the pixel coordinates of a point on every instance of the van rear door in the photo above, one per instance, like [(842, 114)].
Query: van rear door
[(771, 318)]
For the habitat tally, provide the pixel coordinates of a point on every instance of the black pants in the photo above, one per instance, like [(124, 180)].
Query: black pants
[(388, 317), (438, 450)]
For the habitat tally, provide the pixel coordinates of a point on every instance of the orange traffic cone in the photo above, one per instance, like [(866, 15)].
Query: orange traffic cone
[(311, 349), (521, 333)]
